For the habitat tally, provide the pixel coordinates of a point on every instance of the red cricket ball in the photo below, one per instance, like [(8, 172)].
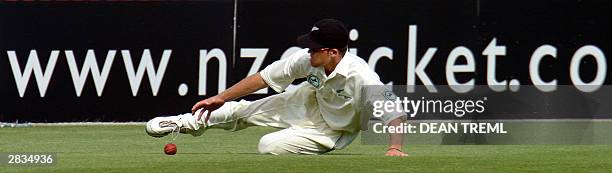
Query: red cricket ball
[(170, 149)]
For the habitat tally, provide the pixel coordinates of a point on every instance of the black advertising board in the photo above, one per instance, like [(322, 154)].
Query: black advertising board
[(182, 32), (419, 42)]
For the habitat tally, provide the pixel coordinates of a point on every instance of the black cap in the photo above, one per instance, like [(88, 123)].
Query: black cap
[(326, 33)]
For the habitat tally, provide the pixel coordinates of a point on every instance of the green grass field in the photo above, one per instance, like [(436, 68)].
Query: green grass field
[(128, 149)]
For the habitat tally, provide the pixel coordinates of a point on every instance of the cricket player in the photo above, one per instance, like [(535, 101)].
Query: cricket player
[(321, 115)]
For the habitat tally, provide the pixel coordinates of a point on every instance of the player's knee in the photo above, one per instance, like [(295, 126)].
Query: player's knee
[(266, 144), (269, 144)]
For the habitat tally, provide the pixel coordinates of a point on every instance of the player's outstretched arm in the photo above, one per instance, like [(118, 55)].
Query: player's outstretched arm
[(396, 140), (244, 87)]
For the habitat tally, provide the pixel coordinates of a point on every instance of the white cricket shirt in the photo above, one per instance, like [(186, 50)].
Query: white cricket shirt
[(339, 95)]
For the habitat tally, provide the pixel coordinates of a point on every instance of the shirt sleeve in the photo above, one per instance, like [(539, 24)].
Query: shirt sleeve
[(281, 73), (375, 93)]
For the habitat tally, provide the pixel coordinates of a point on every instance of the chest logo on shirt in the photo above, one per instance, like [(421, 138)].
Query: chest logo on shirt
[(389, 95), (314, 80)]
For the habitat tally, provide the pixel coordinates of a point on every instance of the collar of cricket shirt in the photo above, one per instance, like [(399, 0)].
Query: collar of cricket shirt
[(342, 67)]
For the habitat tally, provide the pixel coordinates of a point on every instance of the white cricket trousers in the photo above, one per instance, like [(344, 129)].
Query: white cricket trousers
[(296, 112)]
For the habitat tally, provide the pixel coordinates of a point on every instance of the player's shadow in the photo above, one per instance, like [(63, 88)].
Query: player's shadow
[(343, 154)]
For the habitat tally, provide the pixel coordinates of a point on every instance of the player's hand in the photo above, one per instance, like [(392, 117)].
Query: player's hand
[(209, 104), (395, 152)]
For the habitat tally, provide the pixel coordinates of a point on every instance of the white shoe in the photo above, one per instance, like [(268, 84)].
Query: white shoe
[(184, 123)]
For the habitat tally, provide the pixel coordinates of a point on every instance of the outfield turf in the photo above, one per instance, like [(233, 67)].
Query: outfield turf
[(128, 149)]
